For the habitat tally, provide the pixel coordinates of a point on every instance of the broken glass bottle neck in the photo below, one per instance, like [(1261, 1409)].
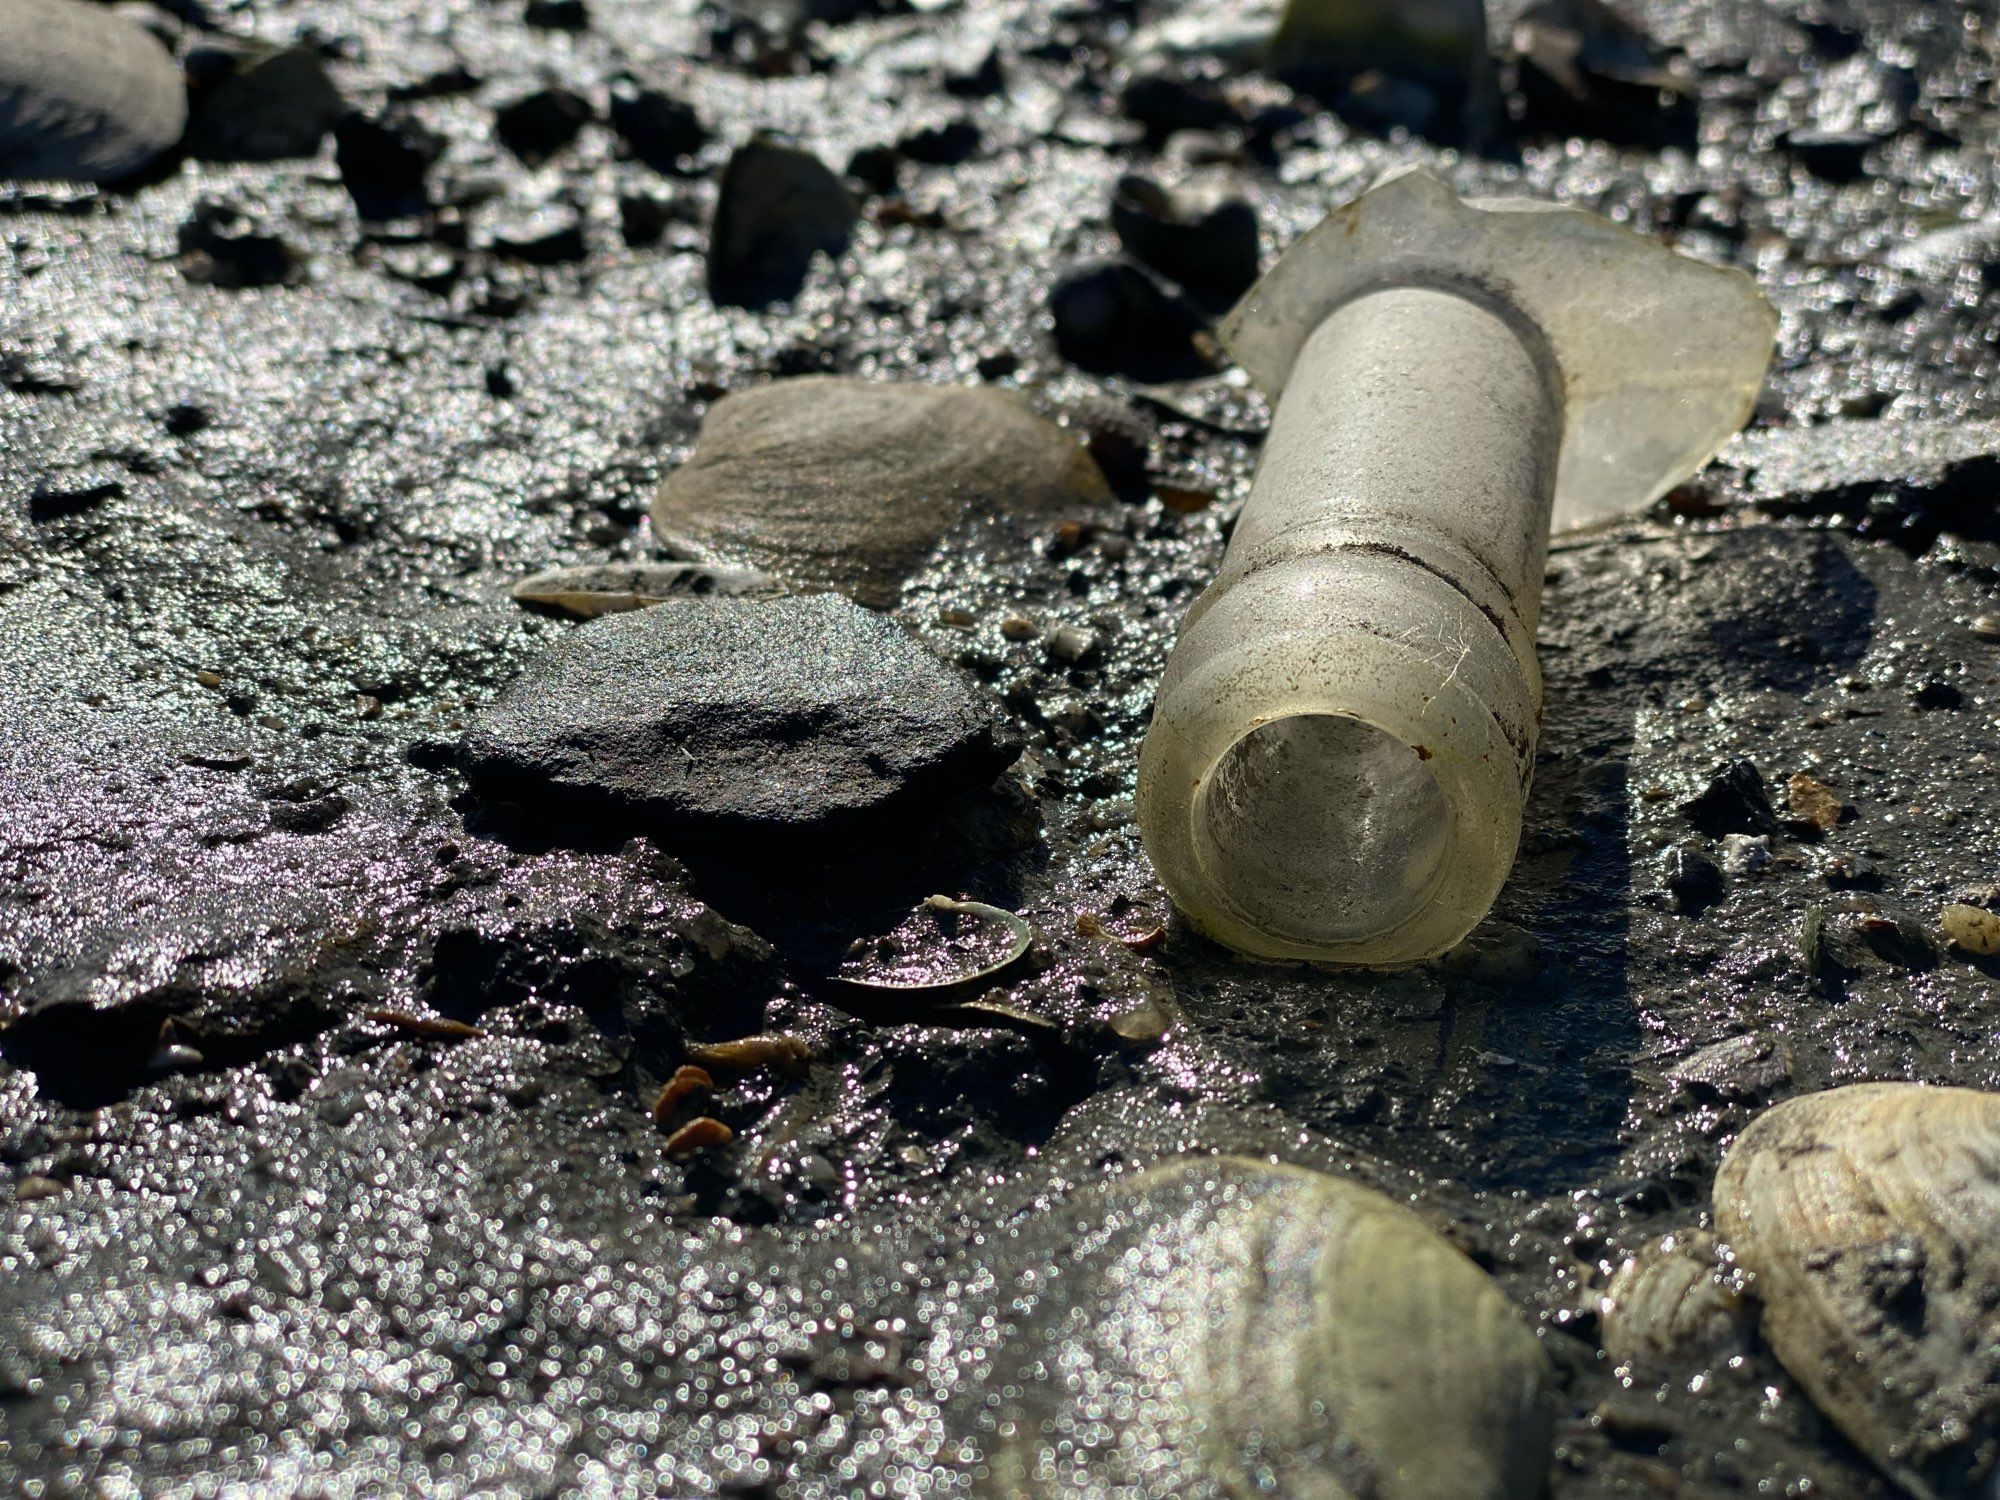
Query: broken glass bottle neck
[(1415, 416), (1344, 736)]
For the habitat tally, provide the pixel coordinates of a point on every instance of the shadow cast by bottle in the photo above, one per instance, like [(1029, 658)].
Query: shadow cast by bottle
[(1634, 626)]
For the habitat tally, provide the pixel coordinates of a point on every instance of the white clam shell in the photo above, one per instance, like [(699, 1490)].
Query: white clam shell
[(1870, 1218), (1678, 1298), (593, 589), (1228, 1327)]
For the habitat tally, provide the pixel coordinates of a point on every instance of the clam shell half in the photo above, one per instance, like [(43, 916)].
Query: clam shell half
[(1870, 1218), (1226, 1327)]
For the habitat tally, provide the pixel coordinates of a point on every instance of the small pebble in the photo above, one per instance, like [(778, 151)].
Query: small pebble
[(1986, 627), (658, 129), (1184, 500), (1692, 879), (1072, 643), (1814, 801), (537, 125), (1113, 317), (777, 208), (1019, 628), (1971, 929), (1745, 854)]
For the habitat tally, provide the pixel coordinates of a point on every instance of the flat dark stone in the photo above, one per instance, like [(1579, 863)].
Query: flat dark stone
[(798, 716)]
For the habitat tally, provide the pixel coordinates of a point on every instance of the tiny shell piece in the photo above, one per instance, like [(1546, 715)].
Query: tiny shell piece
[(615, 588), (1676, 1299), (699, 1135), (686, 1082)]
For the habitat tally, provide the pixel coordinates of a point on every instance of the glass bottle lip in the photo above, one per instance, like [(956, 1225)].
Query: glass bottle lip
[(1414, 899)]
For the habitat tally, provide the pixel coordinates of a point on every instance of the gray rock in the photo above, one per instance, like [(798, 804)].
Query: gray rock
[(777, 208), (851, 484), (798, 716), (84, 94)]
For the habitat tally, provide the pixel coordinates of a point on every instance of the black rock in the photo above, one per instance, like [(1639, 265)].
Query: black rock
[(1836, 156), (1274, 129), (1114, 318), (1935, 692), (71, 492), (1167, 101), (557, 15), (260, 104), (643, 218), (875, 167), (1734, 801), (798, 716), (945, 145), (658, 129), (223, 245), (446, 82), (1209, 247), (547, 234), (1691, 878), (538, 125), (185, 418), (85, 95), (383, 162), (1581, 67), (982, 82), (778, 207)]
